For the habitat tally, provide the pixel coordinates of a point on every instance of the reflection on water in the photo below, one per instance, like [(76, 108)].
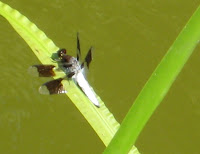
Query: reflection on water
[(13, 119)]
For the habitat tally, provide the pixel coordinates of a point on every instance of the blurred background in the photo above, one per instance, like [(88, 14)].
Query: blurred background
[(130, 38)]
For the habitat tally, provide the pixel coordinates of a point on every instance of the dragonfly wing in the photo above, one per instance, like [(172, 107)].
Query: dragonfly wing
[(52, 87), (42, 70)]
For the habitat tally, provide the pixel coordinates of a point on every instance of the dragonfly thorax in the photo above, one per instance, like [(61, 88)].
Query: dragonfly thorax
[(70, 64)]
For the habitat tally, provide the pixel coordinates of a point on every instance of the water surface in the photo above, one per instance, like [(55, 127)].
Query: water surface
[(129, 38)]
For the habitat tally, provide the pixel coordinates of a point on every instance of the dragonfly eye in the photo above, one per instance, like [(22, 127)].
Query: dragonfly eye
[(61, 52)]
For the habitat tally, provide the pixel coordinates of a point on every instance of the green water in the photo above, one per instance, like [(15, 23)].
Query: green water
[(129, 38)]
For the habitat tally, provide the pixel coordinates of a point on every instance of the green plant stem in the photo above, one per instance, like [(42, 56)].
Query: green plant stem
[(100, 119), (156, 87)]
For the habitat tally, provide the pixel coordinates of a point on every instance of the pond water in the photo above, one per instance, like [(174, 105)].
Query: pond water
[(130, 38)]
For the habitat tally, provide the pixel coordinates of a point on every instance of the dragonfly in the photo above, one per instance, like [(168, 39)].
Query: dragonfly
[(73, 69)]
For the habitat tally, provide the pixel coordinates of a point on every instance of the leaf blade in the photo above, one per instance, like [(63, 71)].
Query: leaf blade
[(102, 121)]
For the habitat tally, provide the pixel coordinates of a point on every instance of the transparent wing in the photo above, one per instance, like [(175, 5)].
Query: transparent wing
[(88, 57), (52, 87), (78, 47), (42, 70)]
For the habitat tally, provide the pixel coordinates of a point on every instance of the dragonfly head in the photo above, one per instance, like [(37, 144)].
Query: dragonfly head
[(61, 53)]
